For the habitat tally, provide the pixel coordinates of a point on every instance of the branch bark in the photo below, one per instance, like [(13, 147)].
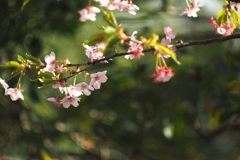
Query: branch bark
[(207, 41)]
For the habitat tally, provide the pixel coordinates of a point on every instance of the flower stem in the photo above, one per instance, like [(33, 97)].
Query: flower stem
[(89, 2), (187, 3), (19, 80), (163, 61)]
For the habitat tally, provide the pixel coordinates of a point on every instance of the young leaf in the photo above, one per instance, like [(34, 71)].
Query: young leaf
[(13, 64), (166, 50), (21, 59), (25, 2), (110, 19)]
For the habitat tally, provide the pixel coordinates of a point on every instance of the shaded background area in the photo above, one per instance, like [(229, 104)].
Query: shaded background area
[(195, 116)]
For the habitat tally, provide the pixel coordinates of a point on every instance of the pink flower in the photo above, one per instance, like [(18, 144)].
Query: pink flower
[(56, 101), (119, 5), (169, 34), (51, 61), (3, 84), (84, 88), (220, 30), (71, 90), (163, 74), (93, 52), (212, 22), (136, 51), (15, 93), (192, 10), (229, 30), (58, 83), (166, 41), (226, 31), (60, 68), (126, 5), (132, 38), (103, 3), (88, 13), (97, 79), (70, 100)]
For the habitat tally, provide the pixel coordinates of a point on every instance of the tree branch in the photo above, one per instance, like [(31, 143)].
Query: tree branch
[(178, 46), (207, 41)]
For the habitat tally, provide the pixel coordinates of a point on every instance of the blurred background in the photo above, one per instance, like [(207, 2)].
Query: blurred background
[(194, 116)]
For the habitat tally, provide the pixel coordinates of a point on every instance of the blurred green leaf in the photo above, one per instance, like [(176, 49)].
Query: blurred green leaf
[(13, 64), (25, 2)]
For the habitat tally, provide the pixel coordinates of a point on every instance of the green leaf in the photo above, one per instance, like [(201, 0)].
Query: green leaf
[(220, 14), (13, 64), (110, 18), (45, 74), (95, 39), (25, 2), (153, 42), (166, 50), (108, 29), (235, 19), (21, 59)]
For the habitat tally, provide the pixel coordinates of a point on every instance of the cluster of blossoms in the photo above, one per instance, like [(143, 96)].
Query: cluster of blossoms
[(163, 74), (89, 13), (167, 39), (71, 93), (228, 18), (51, 64), (225, 29), (14, 93), (119, 5), (94, 52), (192, 9), (135, 47)]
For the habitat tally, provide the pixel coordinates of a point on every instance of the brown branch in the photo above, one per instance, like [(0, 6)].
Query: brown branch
[(207, 41)]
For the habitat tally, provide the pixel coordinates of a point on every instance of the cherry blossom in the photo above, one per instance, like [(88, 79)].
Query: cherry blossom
[(56, 101), (119, 5), (56, 84), (229, 30), (15, 93), (60, 68), (220, 30), (88, 13), (192, 10), (71, 90), (136, 51), (51, 61), (84, 88), (103, 3), (163, 74), (97, 79), (93, 52), (169, 34), (131, 8), (70, 100), (212, 22), (3, 84)]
